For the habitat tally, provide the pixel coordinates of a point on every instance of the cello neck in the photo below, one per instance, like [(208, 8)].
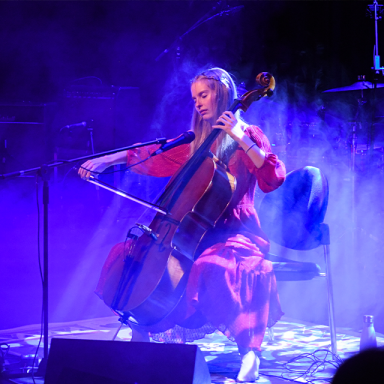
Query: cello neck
[(203, 150), (196, 160)]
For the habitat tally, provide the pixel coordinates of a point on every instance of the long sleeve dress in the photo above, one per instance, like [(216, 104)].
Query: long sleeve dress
[(231, 286)]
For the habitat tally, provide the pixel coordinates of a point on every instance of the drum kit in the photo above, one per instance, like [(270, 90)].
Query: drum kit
[(344, 138), (360, 85), (365, 134), (343, 132), (364, 144)]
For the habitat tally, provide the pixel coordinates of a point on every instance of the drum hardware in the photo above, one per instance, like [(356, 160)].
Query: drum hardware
[(375, 10), (355, 126), (360, 85), (362, 149)]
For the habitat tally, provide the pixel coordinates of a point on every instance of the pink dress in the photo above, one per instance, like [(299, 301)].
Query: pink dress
[(231, 286)]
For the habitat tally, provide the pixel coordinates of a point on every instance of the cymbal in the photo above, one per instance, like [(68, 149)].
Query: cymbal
[(358, 86)]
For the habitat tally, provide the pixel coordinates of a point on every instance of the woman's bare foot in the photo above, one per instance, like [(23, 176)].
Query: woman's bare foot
[(249, 370)]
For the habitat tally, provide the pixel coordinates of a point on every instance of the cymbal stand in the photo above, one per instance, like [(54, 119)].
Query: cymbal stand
[(355, 126), (353, 178), (177, 43), (353, 181), (375, 11)]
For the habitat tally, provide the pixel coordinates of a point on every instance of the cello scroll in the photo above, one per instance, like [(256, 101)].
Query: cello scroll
[(266, 85)]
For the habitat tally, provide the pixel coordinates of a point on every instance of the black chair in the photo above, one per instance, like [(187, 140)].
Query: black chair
[(292, 216)]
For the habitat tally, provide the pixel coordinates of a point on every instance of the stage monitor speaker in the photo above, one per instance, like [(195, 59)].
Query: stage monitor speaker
[(76, 361)]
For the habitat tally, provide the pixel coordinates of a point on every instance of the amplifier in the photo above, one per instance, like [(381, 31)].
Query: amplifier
[(24, 135), (110, 116)]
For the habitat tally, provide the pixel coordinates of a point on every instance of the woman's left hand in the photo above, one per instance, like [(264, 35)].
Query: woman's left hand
[(230, 125)]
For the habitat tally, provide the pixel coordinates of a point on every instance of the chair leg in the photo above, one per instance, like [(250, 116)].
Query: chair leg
[(331, 310)]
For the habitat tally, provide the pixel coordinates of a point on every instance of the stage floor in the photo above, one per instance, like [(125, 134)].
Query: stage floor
[(298, 352)]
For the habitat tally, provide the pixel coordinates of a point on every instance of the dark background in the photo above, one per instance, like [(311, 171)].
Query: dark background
[(66, 62)]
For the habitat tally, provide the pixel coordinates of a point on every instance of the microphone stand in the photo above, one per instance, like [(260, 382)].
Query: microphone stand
[(43, 172), (201, 21)]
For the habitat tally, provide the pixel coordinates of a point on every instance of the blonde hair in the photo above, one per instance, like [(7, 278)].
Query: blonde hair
[(224, 88)]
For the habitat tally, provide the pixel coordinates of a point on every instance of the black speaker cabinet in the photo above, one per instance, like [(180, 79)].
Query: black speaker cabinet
[(76, 361), (111, 116), (24, 135)]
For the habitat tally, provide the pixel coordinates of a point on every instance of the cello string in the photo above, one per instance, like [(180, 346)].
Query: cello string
[(148, 211), (191, 164)]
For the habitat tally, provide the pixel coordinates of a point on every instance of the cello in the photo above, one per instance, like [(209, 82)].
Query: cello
[(147, 284)]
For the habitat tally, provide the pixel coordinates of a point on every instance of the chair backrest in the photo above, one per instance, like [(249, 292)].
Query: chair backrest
[(293, 215)]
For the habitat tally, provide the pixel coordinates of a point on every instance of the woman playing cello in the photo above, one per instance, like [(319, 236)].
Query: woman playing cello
[(231, 287)]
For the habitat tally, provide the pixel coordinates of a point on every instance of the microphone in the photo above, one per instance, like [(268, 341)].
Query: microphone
[(184, 138), (82, 124)]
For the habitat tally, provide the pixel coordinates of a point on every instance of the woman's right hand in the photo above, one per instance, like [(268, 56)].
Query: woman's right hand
[(98, 164)]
